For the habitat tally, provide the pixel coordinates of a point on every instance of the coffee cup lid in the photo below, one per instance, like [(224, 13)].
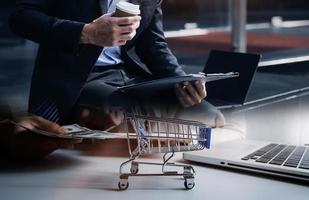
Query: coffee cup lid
[(128, 7)]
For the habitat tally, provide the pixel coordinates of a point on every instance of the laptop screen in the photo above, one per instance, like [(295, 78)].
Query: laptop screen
[(234, 90)]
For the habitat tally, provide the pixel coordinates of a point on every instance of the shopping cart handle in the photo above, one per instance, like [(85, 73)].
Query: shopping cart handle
[(143, 133), (205, 135)]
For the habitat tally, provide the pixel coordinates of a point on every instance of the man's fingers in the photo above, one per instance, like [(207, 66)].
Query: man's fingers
[(127, 20), (179, 96), (127, 29), (190, 94), (136, 25), (186, 96), (110, 31), (39, 123), (193, 93), (45, 125), (183, 94), (127, 37), (54, 128), (201, 89), (121, 42)]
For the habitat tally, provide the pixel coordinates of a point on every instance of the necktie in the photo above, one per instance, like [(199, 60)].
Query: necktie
[(48, 109), (110, 3)]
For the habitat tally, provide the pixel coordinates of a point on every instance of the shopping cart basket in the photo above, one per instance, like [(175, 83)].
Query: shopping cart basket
[(167, 136)]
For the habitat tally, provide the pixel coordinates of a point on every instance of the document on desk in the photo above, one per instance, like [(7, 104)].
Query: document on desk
[(155, 85)]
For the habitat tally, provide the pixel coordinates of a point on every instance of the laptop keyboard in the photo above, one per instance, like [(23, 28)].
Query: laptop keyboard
[(284, 155)]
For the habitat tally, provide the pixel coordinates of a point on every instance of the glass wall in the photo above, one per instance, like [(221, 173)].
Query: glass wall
[(274, 26), (262, 11), (199, 13), (212, 13)]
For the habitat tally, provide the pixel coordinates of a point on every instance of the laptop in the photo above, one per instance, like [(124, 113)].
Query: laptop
[(282, 160), (230, 92)]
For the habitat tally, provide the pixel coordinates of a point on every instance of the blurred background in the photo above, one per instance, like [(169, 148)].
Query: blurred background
[(277, 29), (272, 26)]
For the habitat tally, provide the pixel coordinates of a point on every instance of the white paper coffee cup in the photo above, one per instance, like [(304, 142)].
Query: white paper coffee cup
[(126, 9)]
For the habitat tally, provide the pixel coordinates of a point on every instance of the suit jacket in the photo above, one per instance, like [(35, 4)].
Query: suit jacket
[(63, 65)]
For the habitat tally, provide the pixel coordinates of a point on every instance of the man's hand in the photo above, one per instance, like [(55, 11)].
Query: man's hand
[(190, 94), (38, 123), (110, 31), (24, 145)]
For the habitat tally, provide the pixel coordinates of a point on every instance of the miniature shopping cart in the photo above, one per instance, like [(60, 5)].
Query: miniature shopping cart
[(167, 136)]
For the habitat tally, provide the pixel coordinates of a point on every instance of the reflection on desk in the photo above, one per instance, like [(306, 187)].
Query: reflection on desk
[(69, 174)]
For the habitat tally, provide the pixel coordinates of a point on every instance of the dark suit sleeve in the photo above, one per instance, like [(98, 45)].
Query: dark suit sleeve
[(153, 50), (30, 19)]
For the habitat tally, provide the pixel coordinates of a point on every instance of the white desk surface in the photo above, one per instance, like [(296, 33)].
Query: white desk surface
[(68, 175)]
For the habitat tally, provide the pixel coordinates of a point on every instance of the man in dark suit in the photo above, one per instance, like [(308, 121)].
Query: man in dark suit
[(81, 43)]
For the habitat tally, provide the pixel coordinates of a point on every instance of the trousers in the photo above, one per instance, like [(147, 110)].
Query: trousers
[(101, 94)]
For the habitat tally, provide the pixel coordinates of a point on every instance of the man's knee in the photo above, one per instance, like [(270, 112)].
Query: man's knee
[(205, 113)]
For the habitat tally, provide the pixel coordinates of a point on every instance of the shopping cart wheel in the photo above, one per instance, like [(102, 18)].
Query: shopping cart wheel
[(189, 183), (134, 168), (123, 184)]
